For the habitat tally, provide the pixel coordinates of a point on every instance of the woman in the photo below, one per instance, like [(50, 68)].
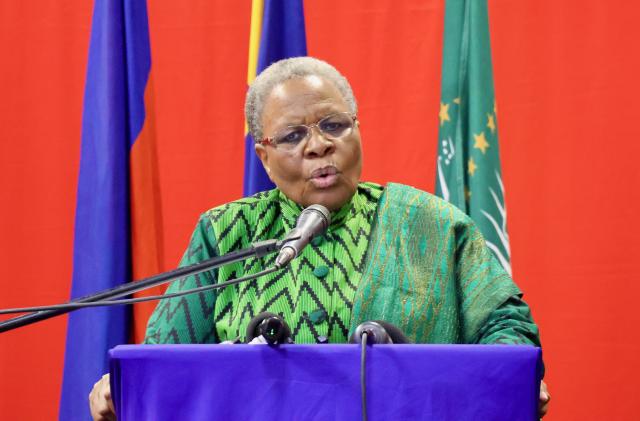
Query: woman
[(391, 253)]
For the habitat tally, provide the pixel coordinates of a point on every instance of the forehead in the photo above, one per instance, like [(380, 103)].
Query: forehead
[(300, 100)]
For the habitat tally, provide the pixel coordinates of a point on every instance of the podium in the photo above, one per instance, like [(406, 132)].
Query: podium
[(322, 382)]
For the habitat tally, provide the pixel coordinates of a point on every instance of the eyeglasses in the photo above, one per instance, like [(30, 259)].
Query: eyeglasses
[(333, 127)]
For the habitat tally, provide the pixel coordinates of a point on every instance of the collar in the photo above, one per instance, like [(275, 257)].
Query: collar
[(291, 210)]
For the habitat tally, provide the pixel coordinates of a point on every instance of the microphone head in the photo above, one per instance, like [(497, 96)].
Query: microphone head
[(271, 327), (313, 220), (379, 332), (376, 334), (314, 213)]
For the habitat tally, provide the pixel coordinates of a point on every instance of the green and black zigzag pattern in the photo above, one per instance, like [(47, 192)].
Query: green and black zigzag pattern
[(314, 293)]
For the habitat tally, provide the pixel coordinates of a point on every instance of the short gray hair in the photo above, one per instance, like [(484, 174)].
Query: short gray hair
[(280, 72)]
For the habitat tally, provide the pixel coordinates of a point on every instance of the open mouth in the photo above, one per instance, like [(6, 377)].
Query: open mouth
[(324, 177), (324, 172)]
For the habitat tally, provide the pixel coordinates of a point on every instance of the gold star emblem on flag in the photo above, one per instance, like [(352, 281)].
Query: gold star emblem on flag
[(471, 166), (491, 123), (444, 113), (481, 142)]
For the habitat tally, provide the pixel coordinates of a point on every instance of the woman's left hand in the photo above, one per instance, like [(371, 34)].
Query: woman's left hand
[(545, 398)]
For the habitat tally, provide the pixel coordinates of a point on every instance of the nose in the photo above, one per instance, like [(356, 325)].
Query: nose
[(318, 145)]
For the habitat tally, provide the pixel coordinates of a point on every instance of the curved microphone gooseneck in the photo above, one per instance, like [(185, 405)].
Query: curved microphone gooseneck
[(312, 221)]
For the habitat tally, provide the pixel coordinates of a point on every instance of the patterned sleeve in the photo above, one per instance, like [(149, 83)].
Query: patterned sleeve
[(506, 319), (511, 323), (188, 319)]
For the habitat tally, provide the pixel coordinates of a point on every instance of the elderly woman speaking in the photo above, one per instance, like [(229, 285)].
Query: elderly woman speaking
[(391, 252)]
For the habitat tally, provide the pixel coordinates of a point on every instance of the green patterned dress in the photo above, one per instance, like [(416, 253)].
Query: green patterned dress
[(395, 253)]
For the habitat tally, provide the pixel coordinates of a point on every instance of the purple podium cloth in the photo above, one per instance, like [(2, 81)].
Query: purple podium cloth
[(322, 382)]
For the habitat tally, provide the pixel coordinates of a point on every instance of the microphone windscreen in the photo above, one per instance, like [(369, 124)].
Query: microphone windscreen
[(379, 332), (274, 328)]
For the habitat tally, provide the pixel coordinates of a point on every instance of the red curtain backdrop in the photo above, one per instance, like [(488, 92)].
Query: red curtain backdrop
[(566, 114)]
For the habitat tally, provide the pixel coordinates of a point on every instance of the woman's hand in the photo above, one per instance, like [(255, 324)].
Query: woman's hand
[(100, 401), (545, 398)]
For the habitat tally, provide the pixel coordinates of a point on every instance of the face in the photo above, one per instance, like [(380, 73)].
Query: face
[(318, 170)]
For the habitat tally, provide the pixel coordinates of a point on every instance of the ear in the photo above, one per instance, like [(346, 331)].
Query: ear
[(263, 154)]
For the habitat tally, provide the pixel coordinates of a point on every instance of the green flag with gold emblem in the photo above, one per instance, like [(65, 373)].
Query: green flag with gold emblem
[(469, 173)]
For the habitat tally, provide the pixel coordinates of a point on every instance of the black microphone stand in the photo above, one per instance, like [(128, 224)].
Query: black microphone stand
[(257, 249)]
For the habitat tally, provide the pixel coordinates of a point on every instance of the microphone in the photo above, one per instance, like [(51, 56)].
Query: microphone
[(379, 332), (268, 328), (313, 221)]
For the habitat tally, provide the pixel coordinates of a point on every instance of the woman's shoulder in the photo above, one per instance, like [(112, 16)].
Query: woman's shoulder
[(245, 204), (411, 199), (249, 209), (408, 193), (236, 224)]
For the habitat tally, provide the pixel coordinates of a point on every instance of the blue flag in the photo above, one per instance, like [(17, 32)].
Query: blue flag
[(277, 32), (113, 117)]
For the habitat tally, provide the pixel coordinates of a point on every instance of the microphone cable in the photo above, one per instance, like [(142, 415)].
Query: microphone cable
[(363, 374), (72, 306)]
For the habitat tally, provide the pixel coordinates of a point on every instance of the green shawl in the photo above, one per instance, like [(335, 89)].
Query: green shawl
[(429, 271)]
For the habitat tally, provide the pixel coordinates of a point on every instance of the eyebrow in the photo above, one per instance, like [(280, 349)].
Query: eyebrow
[(300, 120)]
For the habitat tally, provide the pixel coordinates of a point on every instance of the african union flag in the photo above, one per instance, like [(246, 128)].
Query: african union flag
[(469, 173)]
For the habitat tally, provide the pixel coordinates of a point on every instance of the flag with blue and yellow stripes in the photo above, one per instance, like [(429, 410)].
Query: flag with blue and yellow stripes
[(277, 32)]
